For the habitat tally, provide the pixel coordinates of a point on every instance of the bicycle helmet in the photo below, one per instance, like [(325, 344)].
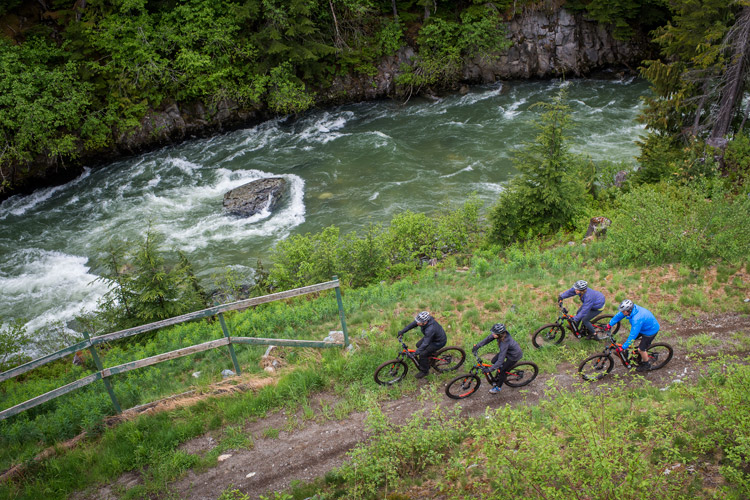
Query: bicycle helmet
[(626, 306), (422, 317), (498, 329), (581, 285)]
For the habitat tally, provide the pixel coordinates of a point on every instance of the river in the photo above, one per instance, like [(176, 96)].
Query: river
[(349, 166)]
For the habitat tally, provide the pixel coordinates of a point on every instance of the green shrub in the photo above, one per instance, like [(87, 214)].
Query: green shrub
[(665, 223), (13, 339), (737, 160)]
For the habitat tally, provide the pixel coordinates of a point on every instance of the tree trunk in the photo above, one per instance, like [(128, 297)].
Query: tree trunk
[(738, 39)]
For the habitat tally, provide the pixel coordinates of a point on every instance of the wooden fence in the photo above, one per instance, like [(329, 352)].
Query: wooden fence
[(103, 374)]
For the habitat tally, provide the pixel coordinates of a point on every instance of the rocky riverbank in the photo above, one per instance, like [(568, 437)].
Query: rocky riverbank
[(544, 45)]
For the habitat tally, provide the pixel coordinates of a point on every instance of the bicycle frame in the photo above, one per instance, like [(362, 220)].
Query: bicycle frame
[(478, 368), (628, 360), (403, 353), (570, 324)]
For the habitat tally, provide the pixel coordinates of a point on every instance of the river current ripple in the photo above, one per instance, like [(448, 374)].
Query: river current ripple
[(349, 166)]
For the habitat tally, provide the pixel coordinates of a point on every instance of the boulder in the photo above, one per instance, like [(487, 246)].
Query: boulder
[(254, 197)]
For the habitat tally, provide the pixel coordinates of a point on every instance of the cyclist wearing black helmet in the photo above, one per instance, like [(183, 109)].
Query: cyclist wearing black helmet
[(434, 338), (510, 353), (592, 303), (643, 325)]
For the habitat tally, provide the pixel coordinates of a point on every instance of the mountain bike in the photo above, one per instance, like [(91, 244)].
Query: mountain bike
[(597, 366), (463, 386), (554, 333), (391, 372)]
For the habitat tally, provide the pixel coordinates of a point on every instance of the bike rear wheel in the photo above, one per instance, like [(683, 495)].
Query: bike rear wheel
[(551, 334), (448, 359), (595, 367), (600, 323), (660, 354), (463, 386), (521, 374), (391, 372)]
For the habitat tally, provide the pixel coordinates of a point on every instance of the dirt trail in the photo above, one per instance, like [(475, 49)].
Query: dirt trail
[(321, 445)]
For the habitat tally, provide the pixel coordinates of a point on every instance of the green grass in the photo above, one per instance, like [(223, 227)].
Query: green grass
[(374, 315)]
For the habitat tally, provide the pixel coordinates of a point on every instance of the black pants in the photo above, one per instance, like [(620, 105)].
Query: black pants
[(502, 372), (424, 357), (586, 321)]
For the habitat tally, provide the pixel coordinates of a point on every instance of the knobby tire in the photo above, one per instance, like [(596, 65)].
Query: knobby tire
[(391, 372), (550, 334), (463, 386), (521, 374), (448, 359), (596, 367)]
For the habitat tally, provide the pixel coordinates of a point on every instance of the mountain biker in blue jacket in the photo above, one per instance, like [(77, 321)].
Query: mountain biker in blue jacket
[(592, 303), (434, 339), (643, 325), (510, 353)]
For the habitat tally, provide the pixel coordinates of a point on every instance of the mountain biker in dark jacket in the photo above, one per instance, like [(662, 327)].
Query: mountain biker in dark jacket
[(510, 353), (434, 338), (592, 303), (643, 325)]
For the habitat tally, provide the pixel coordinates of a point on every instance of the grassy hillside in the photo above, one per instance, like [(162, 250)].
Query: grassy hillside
[(517, 287)]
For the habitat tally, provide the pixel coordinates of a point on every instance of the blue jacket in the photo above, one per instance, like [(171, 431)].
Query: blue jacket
[(591, 299), (642, 321)]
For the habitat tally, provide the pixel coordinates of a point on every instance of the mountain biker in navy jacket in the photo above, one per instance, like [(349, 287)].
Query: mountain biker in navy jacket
[(592, 303), (510, 353), (643, 324), (434, 338)]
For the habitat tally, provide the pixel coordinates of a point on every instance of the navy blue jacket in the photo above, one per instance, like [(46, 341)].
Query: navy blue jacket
[(591, 299), (432, 331)]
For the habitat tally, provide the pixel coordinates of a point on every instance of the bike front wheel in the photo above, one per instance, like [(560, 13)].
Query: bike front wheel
[(448, 359), (551, 334), (391, 372), (521, 374), (660, 354), (463, 386), (595, 367)]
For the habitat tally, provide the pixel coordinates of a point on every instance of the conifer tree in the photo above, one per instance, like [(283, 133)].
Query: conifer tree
[(546, 193)]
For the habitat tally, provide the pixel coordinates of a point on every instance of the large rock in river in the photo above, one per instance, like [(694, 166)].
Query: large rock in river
[(254, 197)]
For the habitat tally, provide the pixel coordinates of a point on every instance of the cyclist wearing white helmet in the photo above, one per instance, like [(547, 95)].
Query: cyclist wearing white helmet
[(434, 338), (592, 303), (510, 353), (643, 325)]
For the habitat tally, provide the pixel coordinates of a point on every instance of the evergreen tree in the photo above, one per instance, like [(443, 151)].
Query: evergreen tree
[(704, 71), (547, 192), (144, 287)]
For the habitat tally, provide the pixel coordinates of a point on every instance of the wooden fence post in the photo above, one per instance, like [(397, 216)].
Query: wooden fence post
[(341, 312), (100, 367), (231, 348)]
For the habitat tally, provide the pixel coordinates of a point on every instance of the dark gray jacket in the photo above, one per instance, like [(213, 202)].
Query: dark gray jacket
[(432, 331), (508, 348)]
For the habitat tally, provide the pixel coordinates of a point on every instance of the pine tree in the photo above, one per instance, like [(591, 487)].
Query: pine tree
[(546, 193)]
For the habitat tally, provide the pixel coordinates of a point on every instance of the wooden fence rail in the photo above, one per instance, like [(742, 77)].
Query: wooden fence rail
[(104, 373)]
